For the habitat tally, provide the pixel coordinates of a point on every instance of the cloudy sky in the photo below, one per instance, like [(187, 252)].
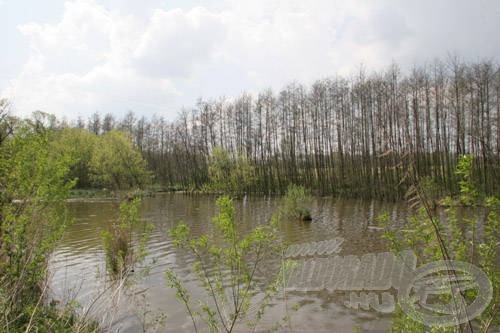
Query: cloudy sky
[(72, 58)]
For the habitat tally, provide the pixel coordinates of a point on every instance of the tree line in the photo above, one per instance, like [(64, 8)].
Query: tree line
[(348, 136), (108, 160)]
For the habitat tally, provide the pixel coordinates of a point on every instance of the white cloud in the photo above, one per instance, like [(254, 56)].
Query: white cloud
[(83, 64), (77, 43), (175, 41), (114, 59), (281, 41)]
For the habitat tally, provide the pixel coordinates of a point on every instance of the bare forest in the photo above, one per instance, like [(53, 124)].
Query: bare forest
[(347, 136)]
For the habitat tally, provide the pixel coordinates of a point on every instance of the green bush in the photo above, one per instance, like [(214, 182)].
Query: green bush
[(33, 188), (233, 176), (452, 238), (226, 265), (118, 246), (296, 204), (116, 165)]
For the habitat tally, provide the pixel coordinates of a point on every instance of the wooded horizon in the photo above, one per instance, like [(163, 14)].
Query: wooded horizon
[(352, 137)]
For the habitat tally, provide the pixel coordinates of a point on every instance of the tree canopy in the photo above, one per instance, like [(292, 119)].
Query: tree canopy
[(116, 164), (102, 161)]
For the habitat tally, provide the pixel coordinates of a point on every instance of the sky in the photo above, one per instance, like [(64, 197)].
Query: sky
[(74, 58)]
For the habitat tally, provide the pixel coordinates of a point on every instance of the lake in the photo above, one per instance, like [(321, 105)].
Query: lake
[(78, 269)]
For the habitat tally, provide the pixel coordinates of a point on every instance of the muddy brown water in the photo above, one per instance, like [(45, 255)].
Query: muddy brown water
[(78, 269)]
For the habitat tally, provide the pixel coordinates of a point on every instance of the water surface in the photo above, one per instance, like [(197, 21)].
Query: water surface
[(78, 270)]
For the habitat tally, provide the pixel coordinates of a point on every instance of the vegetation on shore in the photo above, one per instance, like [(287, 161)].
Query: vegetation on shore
[(467, 240), (106, 162), (39, 165), (343, 136), (339, 136), (228, 175), (34, 185)]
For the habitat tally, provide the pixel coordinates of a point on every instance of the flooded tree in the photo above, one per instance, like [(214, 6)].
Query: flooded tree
[(342, 136)]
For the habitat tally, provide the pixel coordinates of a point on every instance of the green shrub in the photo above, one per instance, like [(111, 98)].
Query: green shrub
[(226, 265), (118, 246), (296, 204), (33, 215), (451, 238), (228, 175), (116, 164)]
